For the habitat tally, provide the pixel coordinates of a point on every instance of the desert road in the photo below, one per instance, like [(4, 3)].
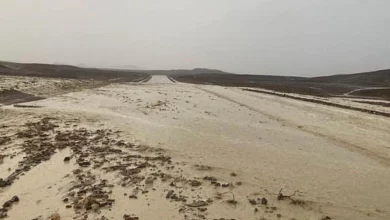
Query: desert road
[(166, 150)]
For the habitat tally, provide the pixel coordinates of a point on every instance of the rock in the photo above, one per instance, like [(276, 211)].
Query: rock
[(15, 199), (174, 197), (202, 209), (169, 194), (130, 217), (198, 204), (4, 183), (252, 202), (225, 184), (66, 159), (232, 202), (7, 204), (264, 201), (195, 183), (84, 163), (210, 178), (120, 143)]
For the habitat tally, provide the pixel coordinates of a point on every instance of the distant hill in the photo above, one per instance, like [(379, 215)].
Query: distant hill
[(66, 71), (184, 72), (10, 65), (125, 67), (380, 78), (375, 78), (325, 86), (337, 85)]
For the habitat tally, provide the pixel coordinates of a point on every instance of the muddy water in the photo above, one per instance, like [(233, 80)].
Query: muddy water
[(269, 142), (41, 189), (9, 165)]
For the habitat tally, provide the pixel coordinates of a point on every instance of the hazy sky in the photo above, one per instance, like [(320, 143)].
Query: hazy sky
[(287, 37)]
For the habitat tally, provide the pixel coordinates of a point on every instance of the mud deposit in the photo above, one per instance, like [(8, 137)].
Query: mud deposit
[(166, 150), (104, 165)]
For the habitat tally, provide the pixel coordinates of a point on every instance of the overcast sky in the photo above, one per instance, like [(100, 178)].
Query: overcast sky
[(285, 37)]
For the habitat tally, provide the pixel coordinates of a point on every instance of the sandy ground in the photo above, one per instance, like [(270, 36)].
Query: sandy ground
[(163, 150)]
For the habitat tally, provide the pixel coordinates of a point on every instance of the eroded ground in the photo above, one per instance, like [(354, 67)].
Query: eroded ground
[(164, 150)]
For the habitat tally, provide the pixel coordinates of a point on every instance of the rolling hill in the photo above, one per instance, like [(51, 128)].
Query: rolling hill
[(374, 78), (325, 86), (66, 71)]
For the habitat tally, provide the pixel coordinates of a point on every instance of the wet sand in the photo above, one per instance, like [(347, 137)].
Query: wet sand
[(163, 150)]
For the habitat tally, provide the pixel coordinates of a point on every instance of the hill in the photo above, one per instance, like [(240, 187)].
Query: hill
[(356, 84), (325, 86), (375, 78), (66, 71), (185, 72)]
